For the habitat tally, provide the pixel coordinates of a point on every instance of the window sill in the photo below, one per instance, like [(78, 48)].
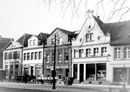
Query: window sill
[(90, 57)]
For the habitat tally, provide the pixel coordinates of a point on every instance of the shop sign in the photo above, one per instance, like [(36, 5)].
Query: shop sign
[(57, 67)]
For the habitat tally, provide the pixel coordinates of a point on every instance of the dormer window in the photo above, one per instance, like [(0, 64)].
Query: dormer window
[(34, 42), (89, 37)]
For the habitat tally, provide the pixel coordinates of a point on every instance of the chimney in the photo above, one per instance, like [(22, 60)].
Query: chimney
[(90, 13)]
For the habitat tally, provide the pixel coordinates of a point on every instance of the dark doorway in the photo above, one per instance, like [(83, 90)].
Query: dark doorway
[(90, 72), (81, 73), (75, 71), (31, 70), (67, 72)]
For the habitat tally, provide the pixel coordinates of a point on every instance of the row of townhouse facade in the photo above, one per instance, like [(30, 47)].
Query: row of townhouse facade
[(99, 52)]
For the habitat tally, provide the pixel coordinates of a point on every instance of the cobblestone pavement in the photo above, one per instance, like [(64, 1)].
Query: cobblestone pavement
[(62, 88)]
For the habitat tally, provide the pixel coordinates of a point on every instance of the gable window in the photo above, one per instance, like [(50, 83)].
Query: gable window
[(34, 42), (88, 52), (40, 55), (48, 57), (80, 52), (59, 41), (104, 51), (60, 56), (96, 51), (127, 52), (24, 56), (28, 56), (89, 37), (30, 42), (117, 53), (53, 41), (36, 56), (66, 55)]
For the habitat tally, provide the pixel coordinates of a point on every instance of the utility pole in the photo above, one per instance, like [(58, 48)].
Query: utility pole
[(54, 71)]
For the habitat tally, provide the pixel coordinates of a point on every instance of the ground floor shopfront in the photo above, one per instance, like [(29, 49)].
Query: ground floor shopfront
[(61, 71), (13, 68), (89, 71), (121, 73), (32, 69)]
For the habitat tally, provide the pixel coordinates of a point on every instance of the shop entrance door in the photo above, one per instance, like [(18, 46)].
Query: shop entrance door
[(81, 73)]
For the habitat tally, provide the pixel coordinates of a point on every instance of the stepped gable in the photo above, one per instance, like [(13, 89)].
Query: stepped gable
[(23, 40)]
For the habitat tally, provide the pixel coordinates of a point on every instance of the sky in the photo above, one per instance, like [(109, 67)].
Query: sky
[(33, 16)]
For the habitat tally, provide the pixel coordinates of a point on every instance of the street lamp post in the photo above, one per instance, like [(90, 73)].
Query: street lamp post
[(54, 72)]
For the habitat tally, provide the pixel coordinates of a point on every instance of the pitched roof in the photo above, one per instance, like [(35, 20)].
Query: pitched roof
[(119, 31), (23, 40), (63, 30)]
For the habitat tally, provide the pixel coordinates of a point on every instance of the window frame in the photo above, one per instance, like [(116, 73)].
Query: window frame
[(117, 54), (88, 52), (89, 37), (103, 51), (96, 51), (127, 52)]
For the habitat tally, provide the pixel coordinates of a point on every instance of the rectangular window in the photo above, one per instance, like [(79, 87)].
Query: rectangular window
[(80, 52), (96, 52), (52, 56), (53, 41), (117, 53), (11, 55), (60, 55), (88, 52), (104, 51), (5, 56), (59, 41), (30, 42), (74, 53), (25, 56), (40, 55), (36, 56), (32, 55), (48, 57), (127, 52), (66, 56), (34, 42), (89, 37), (28, 56)]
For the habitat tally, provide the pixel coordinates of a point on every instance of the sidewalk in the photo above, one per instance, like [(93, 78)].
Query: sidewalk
[(61, 87)]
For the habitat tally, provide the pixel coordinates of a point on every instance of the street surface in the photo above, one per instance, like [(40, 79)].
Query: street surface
[(4, 89)]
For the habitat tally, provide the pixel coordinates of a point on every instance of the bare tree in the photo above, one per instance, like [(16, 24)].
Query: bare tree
[(109, 10)]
